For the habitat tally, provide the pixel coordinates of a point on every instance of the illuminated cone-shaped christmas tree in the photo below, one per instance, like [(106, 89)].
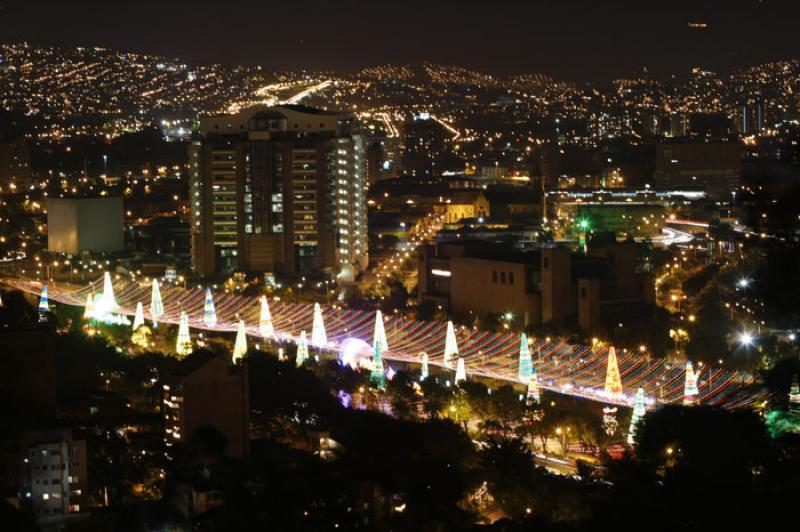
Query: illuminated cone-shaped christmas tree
[(379, 338), (533, 389), (44, 305), (319, 338), (377, 377), (156, 305), (209, 311), (525, 362), (461, 371), (794, 396), (690, 385), (265, 328), (450, 346), (302, 350), (88, 313), (184, 344), (423, 374), (138, 318), (240, 347), (613, 386), (639, 410), (108, 305)]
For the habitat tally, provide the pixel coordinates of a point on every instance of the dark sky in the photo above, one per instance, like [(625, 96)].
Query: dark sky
[(574, 39)]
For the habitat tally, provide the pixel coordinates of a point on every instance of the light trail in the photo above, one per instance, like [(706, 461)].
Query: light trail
[(391, 130), (308, 91), (456, 133), (576, 370)]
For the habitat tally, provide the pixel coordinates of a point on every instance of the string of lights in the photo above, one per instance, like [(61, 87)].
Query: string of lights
[(576, 370)]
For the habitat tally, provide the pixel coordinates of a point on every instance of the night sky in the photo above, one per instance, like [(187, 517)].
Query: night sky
[(572, 39)]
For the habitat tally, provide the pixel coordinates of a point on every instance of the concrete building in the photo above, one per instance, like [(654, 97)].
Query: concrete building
[(209, 393), (714, 165), (423, 147), (279, 189), (28, 384), (481, 278), (15, 164), (85, 224), (550, 285), (52, 474)]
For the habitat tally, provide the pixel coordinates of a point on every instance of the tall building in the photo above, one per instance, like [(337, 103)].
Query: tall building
[(750, 118), (15, 164), (279, 189), (423, 148)]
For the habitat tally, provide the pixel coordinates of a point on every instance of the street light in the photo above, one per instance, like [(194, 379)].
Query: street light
[(743, 282), (746, 339)]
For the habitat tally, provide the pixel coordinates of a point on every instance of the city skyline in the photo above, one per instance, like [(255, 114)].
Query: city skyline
[(574, 40), (444, 266)]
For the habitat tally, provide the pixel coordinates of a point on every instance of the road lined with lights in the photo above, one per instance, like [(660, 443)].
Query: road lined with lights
[(576, 370), (423, 231)]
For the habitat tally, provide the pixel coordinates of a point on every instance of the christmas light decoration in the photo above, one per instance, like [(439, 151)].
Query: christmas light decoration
[(209, 311), (377, 376), (141, 337), (461, 371), (525, 362), (639, 410), (183, 346), (265, 327), (423, 373), (106, 305), (610, 423), (138, 318), (613, 387), (532, 393), (565, 368), (319, 338), (44, 305), (379, 337), (450, 346), (88, 313), (156, 305), (794, 396), (302, 349), (690, 386), (240, 346)]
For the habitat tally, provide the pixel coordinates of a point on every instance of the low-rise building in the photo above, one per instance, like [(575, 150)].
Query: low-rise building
[(209, 393), (715, 165), (53, 469), (466, 204), (549, 285)]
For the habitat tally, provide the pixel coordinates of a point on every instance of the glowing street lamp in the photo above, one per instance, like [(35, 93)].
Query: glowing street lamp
[(746, 339)]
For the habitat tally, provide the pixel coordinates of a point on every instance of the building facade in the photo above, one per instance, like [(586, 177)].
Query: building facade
[(281, 190), (85, 224), (209, 393), (550, 285), (52, 473), (715, 165), (423, 147), (15, 164)]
